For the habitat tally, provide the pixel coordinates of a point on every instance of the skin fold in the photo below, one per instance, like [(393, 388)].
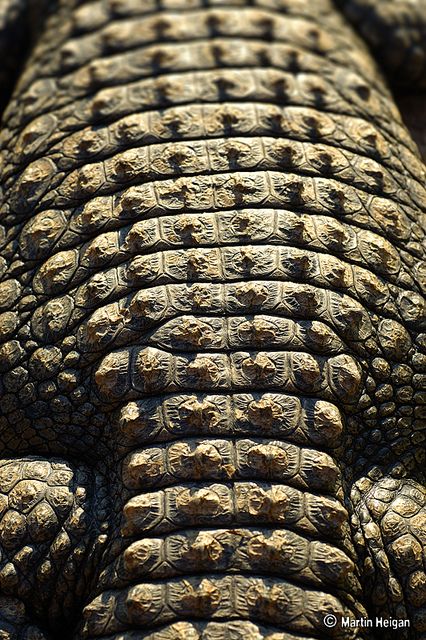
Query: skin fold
[(212, 321)]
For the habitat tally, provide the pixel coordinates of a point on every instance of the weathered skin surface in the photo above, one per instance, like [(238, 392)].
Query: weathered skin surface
[(212, 327)]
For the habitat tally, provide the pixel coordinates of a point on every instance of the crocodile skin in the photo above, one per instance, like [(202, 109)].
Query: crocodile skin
[(396, 32), (212, 329)]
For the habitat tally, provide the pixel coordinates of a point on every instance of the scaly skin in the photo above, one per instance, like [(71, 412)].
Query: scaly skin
[(396, 32), (212, 359)]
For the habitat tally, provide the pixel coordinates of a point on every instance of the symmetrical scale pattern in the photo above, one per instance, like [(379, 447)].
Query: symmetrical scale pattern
[(212, 306)]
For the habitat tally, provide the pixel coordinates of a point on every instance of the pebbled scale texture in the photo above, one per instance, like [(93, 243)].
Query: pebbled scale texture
[(212, 346)]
